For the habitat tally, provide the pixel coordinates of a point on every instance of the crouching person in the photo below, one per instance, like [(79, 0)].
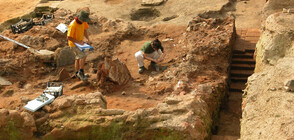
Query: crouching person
[(152, 51)]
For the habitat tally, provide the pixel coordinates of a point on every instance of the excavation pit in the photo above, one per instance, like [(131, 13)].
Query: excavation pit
[(144, 14), (152, 104)]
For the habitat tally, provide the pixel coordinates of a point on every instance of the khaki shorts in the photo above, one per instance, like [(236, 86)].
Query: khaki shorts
[(78, 53)]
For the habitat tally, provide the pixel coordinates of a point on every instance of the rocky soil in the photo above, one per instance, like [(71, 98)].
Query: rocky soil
[(118, 102), (152, 105)]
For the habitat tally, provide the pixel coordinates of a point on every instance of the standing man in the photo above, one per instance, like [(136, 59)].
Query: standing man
[(76, 32), (152, 51)]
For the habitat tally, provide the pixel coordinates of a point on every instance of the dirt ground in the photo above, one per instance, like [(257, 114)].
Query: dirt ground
[(16, 8), (249, 13), (30, 81), (137, 96), (184, 10)]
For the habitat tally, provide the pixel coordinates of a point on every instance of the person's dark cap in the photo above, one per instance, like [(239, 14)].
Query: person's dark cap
[(83, 16)]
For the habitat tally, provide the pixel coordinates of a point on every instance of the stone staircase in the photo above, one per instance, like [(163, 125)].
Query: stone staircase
[(242, 67)]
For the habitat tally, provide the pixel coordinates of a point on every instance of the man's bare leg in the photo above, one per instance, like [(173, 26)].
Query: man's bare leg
[(82, 62), (81, 71), (77, 66), (76, 69)]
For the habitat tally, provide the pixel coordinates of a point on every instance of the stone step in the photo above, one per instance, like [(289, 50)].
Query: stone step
[(241, 73), (237, 86), (219, 137), (243, 61), (239, 79), (244, 51), (244, 55), (250, 50), (242, 66)]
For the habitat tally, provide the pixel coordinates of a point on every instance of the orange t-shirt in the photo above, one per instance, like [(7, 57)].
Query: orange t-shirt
[(76, 31)]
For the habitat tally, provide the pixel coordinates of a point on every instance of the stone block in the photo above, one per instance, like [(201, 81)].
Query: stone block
[(64, 103), (64, 56), (114, 70), (172, 100)]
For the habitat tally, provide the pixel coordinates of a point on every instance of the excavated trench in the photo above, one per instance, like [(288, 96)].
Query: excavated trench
[(242, 66), (144, 14)]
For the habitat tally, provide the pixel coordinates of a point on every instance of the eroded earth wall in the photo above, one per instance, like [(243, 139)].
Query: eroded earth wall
[(268, 109)]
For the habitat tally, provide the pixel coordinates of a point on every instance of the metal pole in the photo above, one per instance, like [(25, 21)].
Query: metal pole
[(18, 43), (14, 41)]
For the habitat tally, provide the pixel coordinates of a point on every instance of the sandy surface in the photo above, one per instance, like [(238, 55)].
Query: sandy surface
[(184, 9), (15, 8), (248, 13)]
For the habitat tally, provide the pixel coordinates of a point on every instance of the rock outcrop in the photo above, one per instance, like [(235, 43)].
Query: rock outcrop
[(86, 116), (276, 40), (16, 125), (268, 106)]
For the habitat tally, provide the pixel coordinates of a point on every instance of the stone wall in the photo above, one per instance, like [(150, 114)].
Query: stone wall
[(85, 116), (16, 125)]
